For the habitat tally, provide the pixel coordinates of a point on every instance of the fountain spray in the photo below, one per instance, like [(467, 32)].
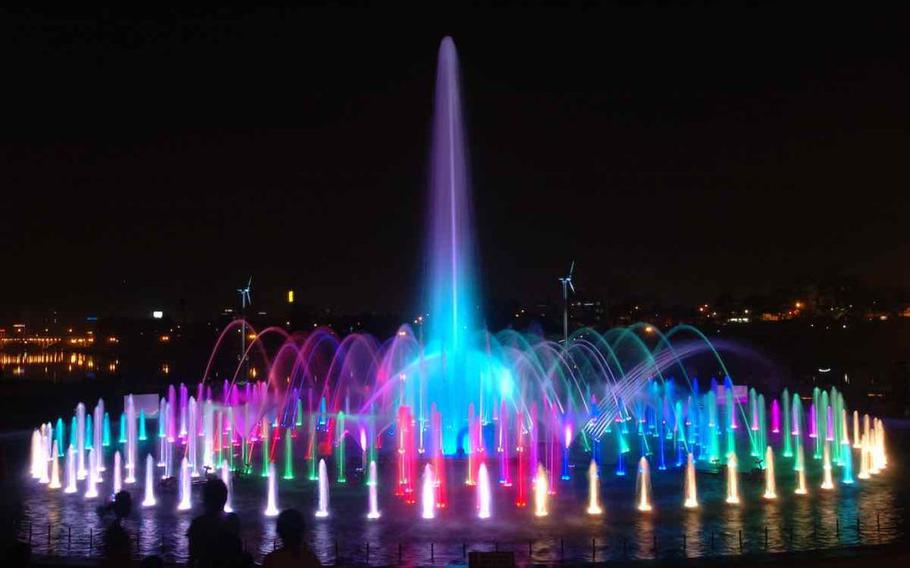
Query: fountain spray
[(483, 492), (373, 489), (770, 481), (271, 507), (594, 507), (732, 479), (149, 500), (691, 489), (323, 510)]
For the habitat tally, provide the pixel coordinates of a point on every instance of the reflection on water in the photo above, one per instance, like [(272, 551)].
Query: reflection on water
[(56, 364), (867, 513)]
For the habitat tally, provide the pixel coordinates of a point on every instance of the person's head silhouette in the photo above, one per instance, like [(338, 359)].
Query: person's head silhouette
[(290, 527), (214, 496), (122, 505)]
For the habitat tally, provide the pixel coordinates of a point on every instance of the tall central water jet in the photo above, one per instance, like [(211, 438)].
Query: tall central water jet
[(451, 262), (452, 365)]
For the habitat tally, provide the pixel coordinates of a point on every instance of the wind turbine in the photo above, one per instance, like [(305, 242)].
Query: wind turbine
[(245, 300), (566, 282)]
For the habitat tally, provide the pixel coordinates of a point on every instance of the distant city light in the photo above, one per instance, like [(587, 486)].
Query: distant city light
[(157, 314)]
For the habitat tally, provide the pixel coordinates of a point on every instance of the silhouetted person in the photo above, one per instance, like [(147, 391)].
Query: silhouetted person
[(117, 550), (215, 536), (293, 552)]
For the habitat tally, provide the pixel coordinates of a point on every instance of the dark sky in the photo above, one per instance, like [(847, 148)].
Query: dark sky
[(673, 152)]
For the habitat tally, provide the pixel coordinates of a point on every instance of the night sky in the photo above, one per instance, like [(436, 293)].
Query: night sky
[(675, 153)]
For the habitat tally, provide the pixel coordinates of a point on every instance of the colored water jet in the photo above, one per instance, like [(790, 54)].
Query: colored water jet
[(149, 500), (770, 481), (55, 469), (594, 507), (228, 482), (827, 478), (484, 498), (541, 490), (427, 494), (643, 485), (271, 507), (691, 488), (732, 480), (372, 484), (323, 507), (70, 470), (185, 503), (118, 473)]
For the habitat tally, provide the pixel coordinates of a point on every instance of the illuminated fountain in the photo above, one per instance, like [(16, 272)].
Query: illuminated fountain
[(118, 474), (541, 489), (91, 483), (770, 481), (428, 494), (373, 490), (149, 500), (323, 510), (827, 478), (271, 507), (226, 478), (429, 414), (691, 489), (185, 486), (70, 471), (801, 471), (55, 469), (594, 507), (483, 492), (732, 479), (643, 485)]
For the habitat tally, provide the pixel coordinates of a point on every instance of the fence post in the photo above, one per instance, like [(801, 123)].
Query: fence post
[(48, 538), (432, 553), (91, 540), (684, 543), (837, 527), (464, 551), (740, 541), (69, 539), (593, 550), (337, 559), (368, 552), (562, 549), (712, 540)]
